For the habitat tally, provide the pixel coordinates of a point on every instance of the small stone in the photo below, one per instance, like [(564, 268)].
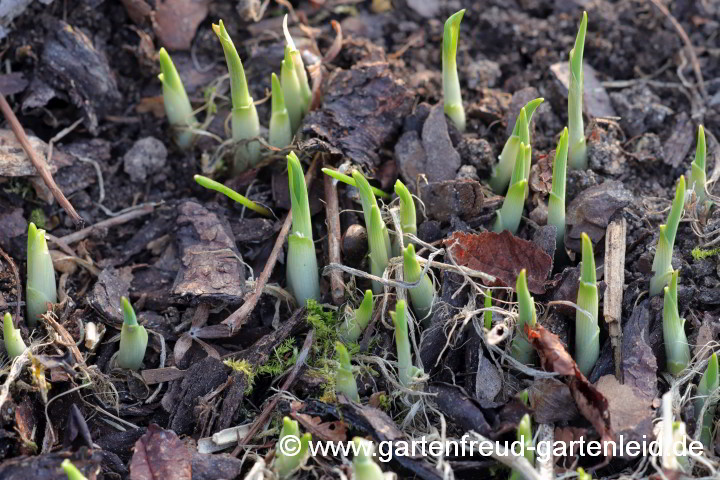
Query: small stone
[(146, 157), (467, 172), (539, 214), (477, 152), (482, 73), (640, 109)]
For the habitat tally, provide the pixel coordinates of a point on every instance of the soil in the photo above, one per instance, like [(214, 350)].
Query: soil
[(82, 76)]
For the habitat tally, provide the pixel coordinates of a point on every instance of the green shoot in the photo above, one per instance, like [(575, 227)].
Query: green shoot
[(14, 344), (285, 465), (367, 198), (524, 436), (406, 370), (363, 465), (41, 289), (697, 173), (245, 122), (556, 202), (520, 134), (487, 314), (351, 181), (662, 263), (577, 150), (302, 269), (291, 90), (344, 379), (677, 350), (408, 219), (232, 194), (423, 294), (71, 470), (510, 214), (133, 339), (177, 105), (521, 350), (451, 83), (379, 257), (305, 91), (583, 475), (709, 383), (355, 324), (280, 134), (587, 331)]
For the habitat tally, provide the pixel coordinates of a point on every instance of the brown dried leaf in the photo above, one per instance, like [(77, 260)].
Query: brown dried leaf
[(154, 105), (589, 401), (327, 431), (160, 455), (502, 255), (175, 21)]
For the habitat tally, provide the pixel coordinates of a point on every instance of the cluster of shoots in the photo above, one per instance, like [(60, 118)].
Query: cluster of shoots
[(302, 269), (41, 289), (662, 263), (698, 178), (709, 383), (510, 214), (133, 339), (451, 83), (577, 154), (521, 350), (587, 331), (14, 345), (406, 370), (355, 323), (556, 200), (363, 465), (285, 465), (291, 96), (421, 295), (677, 350), (525, 437), (344, 379)]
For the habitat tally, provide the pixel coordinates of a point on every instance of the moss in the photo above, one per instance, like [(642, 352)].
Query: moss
[(245, 367), (700, 253), (283, 358), (325, 324)]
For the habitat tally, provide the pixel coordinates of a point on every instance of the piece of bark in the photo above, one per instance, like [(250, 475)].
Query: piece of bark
[(14, 162), (105, 296), (615, 279), (211, 265), (639, 365), (216, 466), (443, 200), (47, 466)]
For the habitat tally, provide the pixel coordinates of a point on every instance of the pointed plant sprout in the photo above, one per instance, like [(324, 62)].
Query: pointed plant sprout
[(285, 464), (521, 134), (408, 217), (245, 122), (291, 90), (662, 263), (697, 172), (302, 269), (232, 194), (280, 132), (556, 201), (363, 465), (41, 289), (71, 470), (521, 350), (133, 339), (451, 83), (379, 257), (510, 214), (344, 379), (677, 350), (368, 200), (587, 331), (177, 105), (577, 149), (305, 91), (355, 323), (421, 295), (351, 181), (709, 384), (406, 370), (524, 437), (14, 345)]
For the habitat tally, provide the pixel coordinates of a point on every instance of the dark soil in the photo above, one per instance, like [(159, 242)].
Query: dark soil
[(185, 262)]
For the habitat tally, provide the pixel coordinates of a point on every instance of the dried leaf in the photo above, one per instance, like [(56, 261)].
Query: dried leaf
[(175, 21), (154, 105), (327, 431), (502, 255), (160, 455), (589, 401)]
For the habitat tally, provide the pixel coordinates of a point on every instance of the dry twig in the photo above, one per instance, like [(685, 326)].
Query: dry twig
[(337, 286), (615, 278)]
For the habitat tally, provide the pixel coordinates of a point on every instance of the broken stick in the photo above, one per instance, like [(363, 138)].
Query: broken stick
[(615, 278)]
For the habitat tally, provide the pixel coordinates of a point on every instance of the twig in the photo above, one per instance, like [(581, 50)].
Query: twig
[(37, 162), (240, 316), (110, 222), (688, 44), (615, 278), (270, 407), (18, 286), (337, 286)]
